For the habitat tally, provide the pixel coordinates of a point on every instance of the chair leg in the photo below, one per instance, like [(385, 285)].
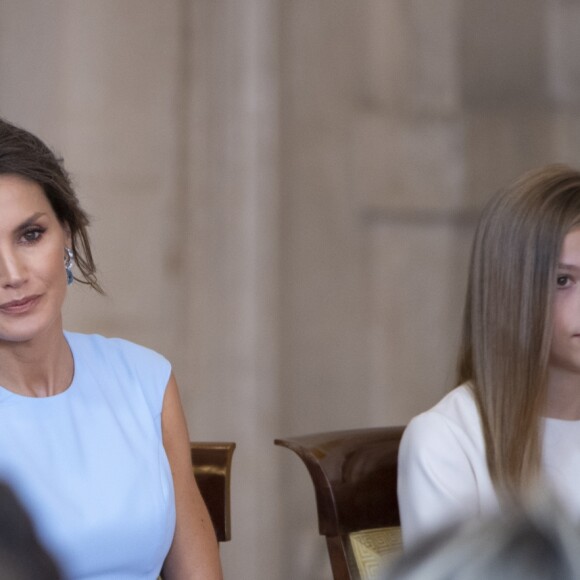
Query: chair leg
[(339, 559)]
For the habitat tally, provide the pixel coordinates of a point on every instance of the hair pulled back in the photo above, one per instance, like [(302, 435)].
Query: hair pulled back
[(25, 155)]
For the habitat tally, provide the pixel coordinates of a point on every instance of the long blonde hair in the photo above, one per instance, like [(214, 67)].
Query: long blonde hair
[(507, 327)]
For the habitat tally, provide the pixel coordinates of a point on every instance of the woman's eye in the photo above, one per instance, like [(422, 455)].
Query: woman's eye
[(32, 235), (563, 280)]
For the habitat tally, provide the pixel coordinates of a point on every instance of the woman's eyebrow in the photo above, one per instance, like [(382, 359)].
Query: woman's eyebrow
[(568, 267), (30, 220)]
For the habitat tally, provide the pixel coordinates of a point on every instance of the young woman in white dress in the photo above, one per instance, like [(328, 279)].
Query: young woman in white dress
[(512, 425)]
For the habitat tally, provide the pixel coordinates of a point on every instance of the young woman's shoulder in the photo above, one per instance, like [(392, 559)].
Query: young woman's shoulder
[(442, 466), (443, 439), (456, 413)]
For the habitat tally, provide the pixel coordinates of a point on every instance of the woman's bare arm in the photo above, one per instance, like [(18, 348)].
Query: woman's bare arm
[(194, 552)]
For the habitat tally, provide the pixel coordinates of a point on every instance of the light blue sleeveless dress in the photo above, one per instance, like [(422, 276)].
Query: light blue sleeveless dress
[(89, 463)]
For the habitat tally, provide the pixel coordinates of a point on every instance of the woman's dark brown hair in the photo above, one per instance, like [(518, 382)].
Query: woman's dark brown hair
[(25, 155), (507, 327)]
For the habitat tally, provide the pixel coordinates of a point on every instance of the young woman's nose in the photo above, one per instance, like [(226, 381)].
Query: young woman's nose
[(12, 269)]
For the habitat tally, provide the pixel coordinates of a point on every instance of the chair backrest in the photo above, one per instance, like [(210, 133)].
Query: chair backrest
[(212, 466), (355, 480)]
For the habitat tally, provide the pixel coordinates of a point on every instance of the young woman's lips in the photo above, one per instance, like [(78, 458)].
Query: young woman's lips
[(19, 306)]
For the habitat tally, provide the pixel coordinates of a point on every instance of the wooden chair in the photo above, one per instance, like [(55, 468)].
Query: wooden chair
[(355, 480), (212, 463)]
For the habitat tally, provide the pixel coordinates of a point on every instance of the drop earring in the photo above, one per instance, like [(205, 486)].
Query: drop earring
[(69, 260)]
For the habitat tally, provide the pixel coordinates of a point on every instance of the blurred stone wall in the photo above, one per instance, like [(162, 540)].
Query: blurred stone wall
[(283, 195)]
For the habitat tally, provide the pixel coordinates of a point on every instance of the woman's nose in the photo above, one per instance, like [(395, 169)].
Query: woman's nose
[(12, 269)]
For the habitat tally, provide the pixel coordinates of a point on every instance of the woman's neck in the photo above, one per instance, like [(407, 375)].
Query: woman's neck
[(41, 367), (563, 395)]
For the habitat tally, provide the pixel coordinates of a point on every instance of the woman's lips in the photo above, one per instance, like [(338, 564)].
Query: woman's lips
[(19, 306)]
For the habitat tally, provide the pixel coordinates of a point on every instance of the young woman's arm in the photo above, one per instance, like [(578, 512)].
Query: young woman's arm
[(194, 553), (438, 482)]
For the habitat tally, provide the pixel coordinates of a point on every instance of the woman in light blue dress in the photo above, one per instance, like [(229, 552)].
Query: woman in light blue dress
[(93, 437)]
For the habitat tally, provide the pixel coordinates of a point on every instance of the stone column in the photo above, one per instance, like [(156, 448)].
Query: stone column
[(232, 257)]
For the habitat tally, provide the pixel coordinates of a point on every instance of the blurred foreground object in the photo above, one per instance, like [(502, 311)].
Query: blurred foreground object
[(22, 557), (535, 543)]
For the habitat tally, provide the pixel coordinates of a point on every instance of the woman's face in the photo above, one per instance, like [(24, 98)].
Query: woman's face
[(565, 352), (32, 273)]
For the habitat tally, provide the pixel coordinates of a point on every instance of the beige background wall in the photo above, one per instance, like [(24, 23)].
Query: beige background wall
[(283, 194)]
